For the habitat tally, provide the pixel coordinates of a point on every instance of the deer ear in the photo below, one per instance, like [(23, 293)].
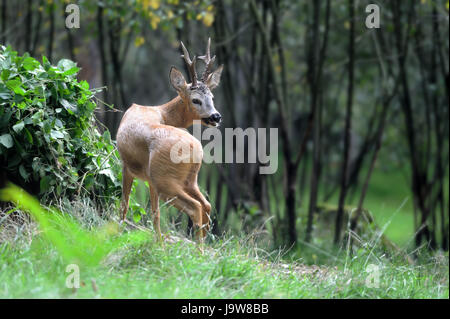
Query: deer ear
[(177, 79), (214, 78)]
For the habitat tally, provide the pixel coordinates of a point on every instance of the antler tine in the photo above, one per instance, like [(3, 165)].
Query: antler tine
[(208, 61), (190, 65)]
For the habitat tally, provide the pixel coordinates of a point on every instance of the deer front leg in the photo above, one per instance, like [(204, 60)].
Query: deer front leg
[(154, 201), (127, 182)]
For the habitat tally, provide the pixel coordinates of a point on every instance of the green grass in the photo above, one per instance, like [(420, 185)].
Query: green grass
[(225, 270), (392, 205), (33, 265)]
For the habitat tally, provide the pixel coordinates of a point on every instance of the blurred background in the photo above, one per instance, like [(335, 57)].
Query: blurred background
[(362, 114)]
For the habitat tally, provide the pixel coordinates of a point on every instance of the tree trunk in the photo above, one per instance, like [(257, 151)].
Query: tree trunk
[(51, 32), (348, 123)]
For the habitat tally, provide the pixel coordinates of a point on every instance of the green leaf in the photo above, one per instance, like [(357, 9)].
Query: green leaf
[(45, 62), (84, 85), (68, 106), (30, 64), (66, 65), (23, 173), (108, 173), (5, 74), (6, 140), (15, 85), (89, 181), (71, 71), (44, 184), (137, 216), (28, 136), (12, 84), (19, 127), (107, 136), (5, 96), (56, 134)]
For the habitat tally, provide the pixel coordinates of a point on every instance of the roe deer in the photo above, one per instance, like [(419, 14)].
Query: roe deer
[(147, 135)]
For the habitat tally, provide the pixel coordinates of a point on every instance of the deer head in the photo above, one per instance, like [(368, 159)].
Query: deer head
[(197, 95)]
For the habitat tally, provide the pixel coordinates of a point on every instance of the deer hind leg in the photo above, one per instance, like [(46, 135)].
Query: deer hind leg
[(127, 182), (154, 201), (191, 187), (194, 191), (193, 208)]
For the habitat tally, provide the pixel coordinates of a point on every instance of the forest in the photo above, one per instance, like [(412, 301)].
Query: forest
[(355, 91)]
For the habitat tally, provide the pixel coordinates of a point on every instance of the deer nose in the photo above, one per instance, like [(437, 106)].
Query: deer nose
[(216, 117)]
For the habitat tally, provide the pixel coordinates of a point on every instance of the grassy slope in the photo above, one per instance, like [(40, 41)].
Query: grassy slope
[(234, 268), (231, 269)]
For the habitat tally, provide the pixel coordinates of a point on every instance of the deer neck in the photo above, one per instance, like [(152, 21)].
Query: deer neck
[(176, 113)]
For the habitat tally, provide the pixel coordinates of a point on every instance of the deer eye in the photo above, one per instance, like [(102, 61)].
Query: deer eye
[(197, 101)]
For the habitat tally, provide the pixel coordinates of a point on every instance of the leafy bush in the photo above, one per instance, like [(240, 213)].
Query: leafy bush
[(49, 142)]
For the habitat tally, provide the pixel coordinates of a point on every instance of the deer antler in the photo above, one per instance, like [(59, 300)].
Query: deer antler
[(208, 61), (190, 64)]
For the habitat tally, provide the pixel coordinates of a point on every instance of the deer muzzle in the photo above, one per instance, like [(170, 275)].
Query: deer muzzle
[(214, 120)]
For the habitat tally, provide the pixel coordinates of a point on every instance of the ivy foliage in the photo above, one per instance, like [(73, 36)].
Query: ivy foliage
[(49, 141)]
